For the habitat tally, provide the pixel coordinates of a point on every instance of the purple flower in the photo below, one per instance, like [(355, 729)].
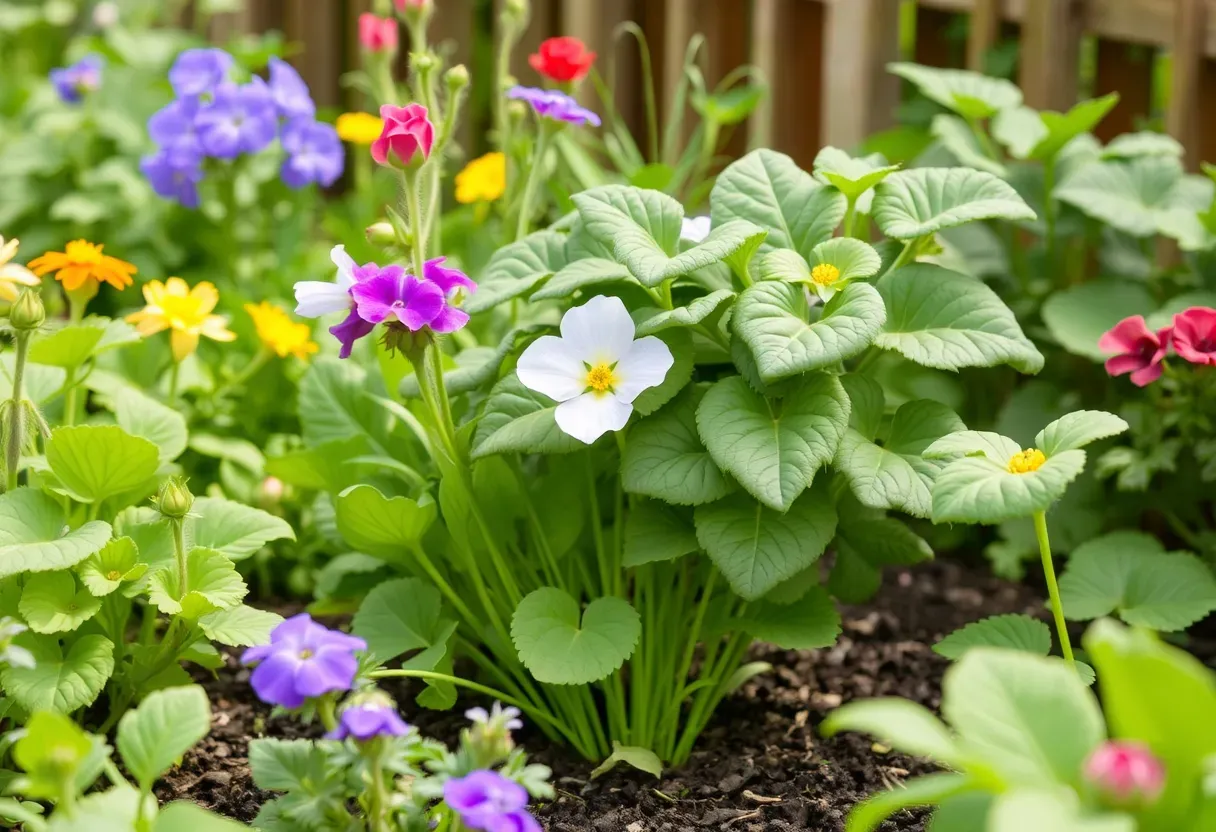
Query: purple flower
[(314, 153), (172, 126), (485, 800), (174, 175), (554, 105), (72, 82), (302, 661), (290, 93), (240, 120), (393, 296), (374, 717), (198, 71), (454, 283)]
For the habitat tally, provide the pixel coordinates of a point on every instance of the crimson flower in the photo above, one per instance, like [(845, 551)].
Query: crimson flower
[(1195, 335), (406, 138), (563, 59), (1138, 349)]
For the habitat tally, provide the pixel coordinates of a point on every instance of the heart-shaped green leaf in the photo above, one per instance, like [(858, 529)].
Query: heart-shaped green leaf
[(34, 537), (1136, 196), (107, 570), (517, 419), (773, 319), (849, 175), (946, 320), (335, 405), (400, 616), (377, 525), (913, 203), (560, 649), (142, 415), (239, 626), (757, 548), (233, 529), (52, 603), (773, 448), (809, 623), (1009, 632), (59, 682), (167, 724), (211, 583), (517, 268), (94, 462), (655, 532), (972, 95)]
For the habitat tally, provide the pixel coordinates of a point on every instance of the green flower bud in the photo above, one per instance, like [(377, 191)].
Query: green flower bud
[(517, 10), (27, 311), (457, 78), (174, 498), (381, 234)]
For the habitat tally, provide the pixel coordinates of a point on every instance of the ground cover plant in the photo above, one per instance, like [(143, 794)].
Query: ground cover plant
[(589, 435)]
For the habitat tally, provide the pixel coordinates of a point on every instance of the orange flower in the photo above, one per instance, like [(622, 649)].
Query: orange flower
[(173, 305), (82, 262)]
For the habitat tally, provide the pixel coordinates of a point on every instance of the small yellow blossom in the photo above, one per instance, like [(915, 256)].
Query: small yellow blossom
[(13, 275), (825, 274), (482, 180), (359, 128), (279, 332), (1023, 462), (82, 262), (186, 312)]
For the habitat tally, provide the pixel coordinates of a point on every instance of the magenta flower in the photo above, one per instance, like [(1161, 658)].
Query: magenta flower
[(303, 660), (375, 716), (396, 297), (1195, 335), (454, 284), (377, 34), (485, 800), (1126, 773), (1139, 350), (406, 138)]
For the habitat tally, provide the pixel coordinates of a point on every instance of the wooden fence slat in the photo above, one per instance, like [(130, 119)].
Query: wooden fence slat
[(1049, 65), (934, 47), (1126, 69), (313, 24), (1182, 117), (985, 30), (800, 58), (859, 96)]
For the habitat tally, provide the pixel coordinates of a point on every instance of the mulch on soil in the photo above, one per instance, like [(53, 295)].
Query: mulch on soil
[(760, 767)]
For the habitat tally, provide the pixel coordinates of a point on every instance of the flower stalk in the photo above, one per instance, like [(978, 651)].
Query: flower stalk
[(1053, 588), (14, 425)]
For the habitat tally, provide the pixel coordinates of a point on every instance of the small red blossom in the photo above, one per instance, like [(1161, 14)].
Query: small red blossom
[(377, 34), (1195, 335), (1126, 773), (562, 59), (407, 137), (1139, 350)]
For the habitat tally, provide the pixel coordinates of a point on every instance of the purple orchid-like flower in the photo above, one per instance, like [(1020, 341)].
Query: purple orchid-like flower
[(290, 93), (396, 297), (199, 71), (554, 105), (72, 82), (314, 153), (454, 284), (172, 127), (485, 800), (174, 175), (303, 660), (375, 716), (241, 119)]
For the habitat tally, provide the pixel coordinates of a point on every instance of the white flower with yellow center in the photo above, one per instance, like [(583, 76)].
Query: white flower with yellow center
[(13, 276), (595, 369)]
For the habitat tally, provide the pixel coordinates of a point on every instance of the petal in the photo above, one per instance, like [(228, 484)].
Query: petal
[(274, 681), (1125, 335), (448, 320), (550, 367), (206, 295), (183, 342), (645, 365), (216, 328), (591, 415), (1147, 375), (1120, 364), (315, 298), (346, 266), (598, 331)]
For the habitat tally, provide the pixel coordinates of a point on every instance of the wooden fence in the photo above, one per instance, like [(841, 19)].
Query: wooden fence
[(824, 59)]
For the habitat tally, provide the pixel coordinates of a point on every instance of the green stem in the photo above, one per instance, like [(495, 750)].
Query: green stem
[(850, 214), (174, 378), (907, 255), (413, 185), (16, 428), (378, 807), (70, 405), (534, 177), (538, 715), (983, 140), (1049, 208), (1053, 589), (179, 552)]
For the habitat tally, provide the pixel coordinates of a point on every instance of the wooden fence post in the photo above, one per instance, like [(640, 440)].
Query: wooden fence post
[(1184, 114), (1051, 39), (985, 30), (859, 95), (1127, 69)]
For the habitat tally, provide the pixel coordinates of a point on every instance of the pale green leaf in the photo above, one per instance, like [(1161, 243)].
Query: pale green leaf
[(684, 355), (1055, 129), (1078, 429), (1011, 632), (707, 310), (141, 415), (167, 724), (183, 814), (52, 603), (107, 570), (334, 404), (972, 95), (643, 759), (1134, 197), (211, 583), (580, 274), (980, 490), (850, 175), (69, 346), (377, 525), (561, 647), (929, 790), (658, 532), (913, 203), (866, 541), (240, 626), (95, 462), (1078, 316), (35, 538), (41, 383), (903, 724), (1051, 810), (59, 682), (1142, 143), (517, 419), (853, 258), (233, 529), (957, 137), (517, 268), (399, 616)]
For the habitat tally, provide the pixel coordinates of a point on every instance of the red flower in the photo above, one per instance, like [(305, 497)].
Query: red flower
[(377, 34), (407, 136), (402, 5), (1195, 335), (562, 59), (1140, 350)]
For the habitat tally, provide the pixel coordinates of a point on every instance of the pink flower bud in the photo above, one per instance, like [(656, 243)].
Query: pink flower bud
[(377, 34), (407, 136), (272, 491), (402, 5), (1126, 773)]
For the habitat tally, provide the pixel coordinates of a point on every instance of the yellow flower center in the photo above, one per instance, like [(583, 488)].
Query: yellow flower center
[(1023, 462), (83, 253), (183, 311), (825, 274), (601, 378), (305, 654), (113, 575)]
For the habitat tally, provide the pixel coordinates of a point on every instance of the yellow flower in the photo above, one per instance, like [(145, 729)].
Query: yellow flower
[(1023, 462), (279, 332), (82, 262), (13, 275), (186, 312), (482, 180), (359, 128)]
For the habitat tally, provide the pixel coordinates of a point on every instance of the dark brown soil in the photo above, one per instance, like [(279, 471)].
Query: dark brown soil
[(760, 767)]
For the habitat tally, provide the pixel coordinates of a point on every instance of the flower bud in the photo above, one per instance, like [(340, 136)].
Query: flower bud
[(381, 233), (1126, 774), (517, 10), (27, 311), (457, 77), (271, 492), (174, 499)]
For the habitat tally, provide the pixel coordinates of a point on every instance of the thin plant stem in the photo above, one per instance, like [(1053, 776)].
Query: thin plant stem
[(16, 427), (1049, 209), (174, 378), (534, 177), (430, 675), (1053, 589), (907, 255), (418, 243)]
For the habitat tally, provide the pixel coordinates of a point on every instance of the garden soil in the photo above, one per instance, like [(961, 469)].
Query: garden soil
[(761, 766)]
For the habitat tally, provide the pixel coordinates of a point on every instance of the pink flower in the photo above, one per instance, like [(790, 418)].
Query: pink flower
[(1139, 350), (402, 5), (377, 34), (1126, 773), (1195, 335), (407, 136)]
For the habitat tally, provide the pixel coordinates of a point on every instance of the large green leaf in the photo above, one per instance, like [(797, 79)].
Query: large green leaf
[(664, 457), (165, 726), (98, 461), (1078, 429), (400, 616), (913, 203), (51, 602), (1010, 632), (1051, 810), (183, 814), (54, 752), (377, 525), (658, 532), (240, 626), (1029, 719), (69, 346), (906, 725), (233, 529), (946, 320), (517, 268), (893, 474), (809, 623), (757, 548), (1131, 573), (41, 383), (211, 583), (334, 404), (707, 310), (960, 140), (578, 275), (1137, 196), (560, 647), (33, 536), (1079, 315), (772, 318), (1042, 135), (972, 95), (850, 175), (141, 415), (929, 790), (769, 189), (517, 419), (774, 449), (59, 682)]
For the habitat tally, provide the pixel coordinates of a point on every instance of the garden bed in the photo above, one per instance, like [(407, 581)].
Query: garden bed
[(760, 766)]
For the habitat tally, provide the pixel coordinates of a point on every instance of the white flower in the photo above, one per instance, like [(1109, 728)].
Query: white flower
[(315, 298), (695, 229), (13, 276), (595, 369)]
